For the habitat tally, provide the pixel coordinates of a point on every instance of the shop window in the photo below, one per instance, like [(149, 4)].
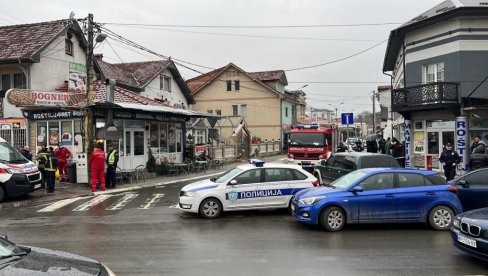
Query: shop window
[(163, 140), (53, 134), (172, 138), (179, 146), (154, 137), (67, 133), (42, 134), (139, 143), (127, 144)]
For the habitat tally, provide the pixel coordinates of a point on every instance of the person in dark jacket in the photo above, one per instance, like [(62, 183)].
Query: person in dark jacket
[(381, 146), (478, 159), (50, 168), (388, 146), (341, 147), (371, 146), (475, 143), (42, 157), (25, 151), (396, 150), (449, 159), (111, 160)]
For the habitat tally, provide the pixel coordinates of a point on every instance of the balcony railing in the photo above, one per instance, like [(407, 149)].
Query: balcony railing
[(426, 96)]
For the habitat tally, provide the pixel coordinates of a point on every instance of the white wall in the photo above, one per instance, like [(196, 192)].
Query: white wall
[(174, 97)]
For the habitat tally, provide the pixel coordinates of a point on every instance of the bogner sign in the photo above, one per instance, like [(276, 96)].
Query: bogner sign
[(28, 98)]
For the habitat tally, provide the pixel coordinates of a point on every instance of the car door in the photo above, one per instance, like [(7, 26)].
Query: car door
[(377, 200), (473, 193), (414, 195), (244, 194), (275, 189), (326, 170), (336, 168)]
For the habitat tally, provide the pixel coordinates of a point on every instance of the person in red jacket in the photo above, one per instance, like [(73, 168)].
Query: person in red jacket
[(63, 154), (97, 165)]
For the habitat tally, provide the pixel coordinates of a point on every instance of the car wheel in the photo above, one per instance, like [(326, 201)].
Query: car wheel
[(210, 208), (2, 194), (441, 217), (333, 219)]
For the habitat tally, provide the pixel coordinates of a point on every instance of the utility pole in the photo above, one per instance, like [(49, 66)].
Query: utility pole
[(374, 114), (90, 91)]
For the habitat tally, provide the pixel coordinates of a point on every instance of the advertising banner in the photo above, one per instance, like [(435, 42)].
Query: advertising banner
[(461, 143), (30, 98), (408, 141), (77, 78)]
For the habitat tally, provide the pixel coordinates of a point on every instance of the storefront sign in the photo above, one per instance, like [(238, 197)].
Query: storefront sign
[(29, 98), (408, 155), (55, 115), (128, 115), (461, 142), (77, 78), (200, 149)]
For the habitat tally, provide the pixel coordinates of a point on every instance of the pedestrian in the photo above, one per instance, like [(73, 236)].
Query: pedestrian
[(388, 146), (371, 146), (63, 154), (341, 147), (478, 159), (475, 143), (112, 160), (381, 145), (396, 150), (42, 157), (449, 159), (97, 165), (50, 168), (25, 151)]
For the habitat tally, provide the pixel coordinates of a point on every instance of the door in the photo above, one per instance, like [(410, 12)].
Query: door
[(434, 147), (414, 195), (134, 148), (474, 193), (245, 193), (376, 201), (277, 186)]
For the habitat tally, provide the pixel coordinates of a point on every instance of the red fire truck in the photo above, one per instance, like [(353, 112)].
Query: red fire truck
[(309, 144)]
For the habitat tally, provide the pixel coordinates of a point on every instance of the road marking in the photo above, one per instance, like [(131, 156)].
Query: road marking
[(59, 204), (87, 205), (122, 202), (150, 202), (176, 206)]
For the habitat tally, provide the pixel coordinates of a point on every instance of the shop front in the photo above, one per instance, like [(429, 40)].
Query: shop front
[(429, 138)]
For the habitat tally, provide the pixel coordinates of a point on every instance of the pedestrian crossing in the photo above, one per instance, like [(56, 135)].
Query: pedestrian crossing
[(107, 202)]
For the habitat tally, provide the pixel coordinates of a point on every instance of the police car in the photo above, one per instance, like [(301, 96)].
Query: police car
[(252, 186)]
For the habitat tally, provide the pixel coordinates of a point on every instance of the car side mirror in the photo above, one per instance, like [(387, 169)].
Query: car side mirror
[(357, 189), (233, 182), (213, 179), (463, 183)]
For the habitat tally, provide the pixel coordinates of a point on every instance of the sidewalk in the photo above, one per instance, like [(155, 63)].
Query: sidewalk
[(67, 190)]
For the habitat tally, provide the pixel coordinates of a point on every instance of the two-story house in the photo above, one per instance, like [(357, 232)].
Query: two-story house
[(438, 64), (256, 97)]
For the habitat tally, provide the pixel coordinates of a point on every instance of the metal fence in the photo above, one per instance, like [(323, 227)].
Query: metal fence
[(17, 137)]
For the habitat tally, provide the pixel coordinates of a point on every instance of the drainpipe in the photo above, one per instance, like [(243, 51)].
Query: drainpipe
[(391, 104)]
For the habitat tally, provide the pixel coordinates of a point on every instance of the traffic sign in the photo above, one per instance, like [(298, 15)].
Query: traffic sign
[(347, 118)]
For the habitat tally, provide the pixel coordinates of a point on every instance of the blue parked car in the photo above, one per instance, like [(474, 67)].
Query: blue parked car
[(383, 195), (473, 189), (470, 233)]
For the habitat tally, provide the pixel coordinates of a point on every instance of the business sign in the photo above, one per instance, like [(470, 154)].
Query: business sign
[(31, 98), (408, 141), (461, 143), (77, 78), (140, 115), (200, 149), (347, 118), (55, 115)]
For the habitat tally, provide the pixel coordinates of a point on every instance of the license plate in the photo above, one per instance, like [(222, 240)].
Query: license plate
[(37, 186), (306, 162), (466, 241), (293, 208)]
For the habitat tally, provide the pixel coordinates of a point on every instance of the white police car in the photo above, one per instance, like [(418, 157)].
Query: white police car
[(251, 186)]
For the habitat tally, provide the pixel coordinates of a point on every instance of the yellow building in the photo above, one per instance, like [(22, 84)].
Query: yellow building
[(255, 98)]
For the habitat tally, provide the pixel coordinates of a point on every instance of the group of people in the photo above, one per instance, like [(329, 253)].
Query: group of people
[(50, 160), (389, 146)]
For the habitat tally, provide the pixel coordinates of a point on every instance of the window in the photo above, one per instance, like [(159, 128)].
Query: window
[(200, 137), (434, 72), (210, 111), (243, 110), (296, 175), (477, 178), (218, 112), (378, 162), (20, 81), (236, 85), (349, 162), (251, 176), (154, 137), (229, 85), (338, 162), (274, 175), (286, 112), (5, 83), (165, 83), (406, 180), (378, 182), (163, 139), (68, 47), (234, 110)]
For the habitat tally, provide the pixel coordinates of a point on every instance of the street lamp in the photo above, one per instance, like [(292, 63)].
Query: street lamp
[(303, 86)]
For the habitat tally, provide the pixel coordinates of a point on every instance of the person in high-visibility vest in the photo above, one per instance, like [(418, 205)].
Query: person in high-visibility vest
[(97, 165), (50, 168), (112, 160)]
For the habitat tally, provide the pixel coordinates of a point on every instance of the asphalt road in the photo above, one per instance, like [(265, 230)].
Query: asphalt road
[(141, 234)]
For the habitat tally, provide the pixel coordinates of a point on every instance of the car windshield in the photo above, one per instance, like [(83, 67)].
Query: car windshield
[(351, 141), (8, 248), (10, 155), (347, 179), (227, 175), (308, 139)]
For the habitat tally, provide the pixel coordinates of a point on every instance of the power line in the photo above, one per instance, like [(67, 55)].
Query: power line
[(253, 26)]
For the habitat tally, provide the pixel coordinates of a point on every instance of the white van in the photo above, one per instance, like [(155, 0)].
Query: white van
[(18, 176)]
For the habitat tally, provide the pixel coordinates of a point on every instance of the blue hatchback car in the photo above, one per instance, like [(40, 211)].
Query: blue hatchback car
[(382, 195)]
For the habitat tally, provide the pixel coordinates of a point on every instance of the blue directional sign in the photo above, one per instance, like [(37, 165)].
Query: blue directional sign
[(347, 118)]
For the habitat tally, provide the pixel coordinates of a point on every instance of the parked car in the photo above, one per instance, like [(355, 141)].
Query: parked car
[(379, 195), (18, 176), (342, 163), (258, 185), (23, 260), (473, 189), (469, 233)]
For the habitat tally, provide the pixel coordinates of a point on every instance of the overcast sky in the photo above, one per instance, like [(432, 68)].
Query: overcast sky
[(350, 81)]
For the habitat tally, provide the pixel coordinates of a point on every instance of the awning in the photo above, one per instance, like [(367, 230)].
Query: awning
[(161, 109)]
